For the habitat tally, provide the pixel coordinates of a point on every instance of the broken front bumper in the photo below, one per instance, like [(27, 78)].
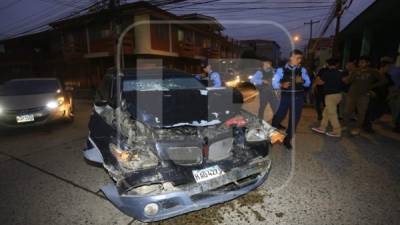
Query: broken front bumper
[(191, 197)]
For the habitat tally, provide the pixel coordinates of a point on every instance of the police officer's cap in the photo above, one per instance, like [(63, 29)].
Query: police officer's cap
[(204, 64)]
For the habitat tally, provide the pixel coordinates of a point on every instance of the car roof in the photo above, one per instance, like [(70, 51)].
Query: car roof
[(151, 73)]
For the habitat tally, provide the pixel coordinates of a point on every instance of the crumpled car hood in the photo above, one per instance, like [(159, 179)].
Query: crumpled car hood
[(184, 107)]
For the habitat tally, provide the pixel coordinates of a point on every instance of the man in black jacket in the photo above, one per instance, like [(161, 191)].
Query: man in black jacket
[(331, 79)]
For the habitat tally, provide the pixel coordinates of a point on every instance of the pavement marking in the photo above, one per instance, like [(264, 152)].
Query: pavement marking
[(53, 175)]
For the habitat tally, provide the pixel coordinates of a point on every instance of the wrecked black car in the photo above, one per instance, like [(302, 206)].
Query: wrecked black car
[(173, 145)]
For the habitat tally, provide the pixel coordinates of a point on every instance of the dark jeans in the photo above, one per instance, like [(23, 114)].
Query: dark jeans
[(376, 108), (353, 103), (285, 106), (319, 102), (266, 96)]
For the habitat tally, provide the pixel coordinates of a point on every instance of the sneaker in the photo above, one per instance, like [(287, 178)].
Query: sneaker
[(318, 130), (333, 134)]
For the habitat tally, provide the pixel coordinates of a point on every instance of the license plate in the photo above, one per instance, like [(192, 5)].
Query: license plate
[(207, 173), (25, 118)]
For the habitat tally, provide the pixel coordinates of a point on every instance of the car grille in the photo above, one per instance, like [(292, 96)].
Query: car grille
[(185, 155), (24, 111), (221, 149)]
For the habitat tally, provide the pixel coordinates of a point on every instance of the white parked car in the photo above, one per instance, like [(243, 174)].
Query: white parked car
[(34, 101)]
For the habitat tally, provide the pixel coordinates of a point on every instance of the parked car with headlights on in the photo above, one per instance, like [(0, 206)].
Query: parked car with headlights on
[(34, 101)]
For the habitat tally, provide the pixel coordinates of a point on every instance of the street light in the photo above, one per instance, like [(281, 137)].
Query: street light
[(296, 38)]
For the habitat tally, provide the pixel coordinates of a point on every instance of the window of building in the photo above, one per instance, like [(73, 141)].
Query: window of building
[(188, 36), (199, 40), (161, 31), (160, 36), (206, 43), (181, 35), (99, 32)]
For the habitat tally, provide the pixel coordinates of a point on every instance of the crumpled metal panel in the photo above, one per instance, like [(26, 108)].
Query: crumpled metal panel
[(179, 202), (93, 153), (220, 150), (190, 155)]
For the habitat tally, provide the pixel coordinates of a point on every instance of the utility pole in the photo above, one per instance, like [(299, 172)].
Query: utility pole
[(339, 13), (341, 6), (311, 23)]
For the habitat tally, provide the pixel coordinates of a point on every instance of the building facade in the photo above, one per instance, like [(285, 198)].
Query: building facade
[(373, 33), (80, 49), (260, 49), (319, 50)]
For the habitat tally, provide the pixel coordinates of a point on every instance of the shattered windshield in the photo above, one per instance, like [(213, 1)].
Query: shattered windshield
[(161, 84)]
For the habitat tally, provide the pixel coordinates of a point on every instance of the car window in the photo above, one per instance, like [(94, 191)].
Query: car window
[(29, 87), (161, 84)]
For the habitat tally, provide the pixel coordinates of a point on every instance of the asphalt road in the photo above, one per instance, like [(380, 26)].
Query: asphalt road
[(353, 180)]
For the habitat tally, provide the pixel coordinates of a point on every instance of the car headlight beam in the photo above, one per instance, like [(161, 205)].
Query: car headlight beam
[(52, 104)]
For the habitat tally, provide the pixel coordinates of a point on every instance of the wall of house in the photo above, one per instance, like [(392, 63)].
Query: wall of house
[(145, 39)]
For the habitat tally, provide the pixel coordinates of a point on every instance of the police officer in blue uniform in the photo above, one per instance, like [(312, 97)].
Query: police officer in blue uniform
[(262, 79), (213, 76), (291, 80)]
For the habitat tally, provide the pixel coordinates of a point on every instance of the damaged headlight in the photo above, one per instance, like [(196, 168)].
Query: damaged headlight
[(133, 158), (263, 132), (256, 135)]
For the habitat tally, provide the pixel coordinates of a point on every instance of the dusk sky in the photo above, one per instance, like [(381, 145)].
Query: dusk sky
[(19, 16)]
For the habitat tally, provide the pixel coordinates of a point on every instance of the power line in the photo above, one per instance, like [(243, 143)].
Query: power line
[(45, 15), (329, 19), (192, 4), (285, 21), (63, 16), (257, 8), (68, 4), (311, 23)]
